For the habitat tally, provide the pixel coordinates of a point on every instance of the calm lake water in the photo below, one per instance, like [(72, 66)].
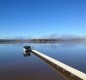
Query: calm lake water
[(15, 66)]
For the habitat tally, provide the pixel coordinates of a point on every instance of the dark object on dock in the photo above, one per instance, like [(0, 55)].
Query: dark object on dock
[(27, 49)]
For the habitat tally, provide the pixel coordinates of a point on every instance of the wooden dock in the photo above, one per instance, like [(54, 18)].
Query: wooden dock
[(67, 71)]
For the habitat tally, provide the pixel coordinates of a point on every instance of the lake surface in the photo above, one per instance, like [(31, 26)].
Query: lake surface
[(15, 66)]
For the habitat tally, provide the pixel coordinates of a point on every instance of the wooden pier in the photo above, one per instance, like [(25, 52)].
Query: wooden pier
[(67, 71)]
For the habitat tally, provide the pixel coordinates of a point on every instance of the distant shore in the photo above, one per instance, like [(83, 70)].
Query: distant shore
[(72, 40)]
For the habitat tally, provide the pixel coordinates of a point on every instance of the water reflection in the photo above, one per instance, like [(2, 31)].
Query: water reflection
[(26, 53), (15, 66)]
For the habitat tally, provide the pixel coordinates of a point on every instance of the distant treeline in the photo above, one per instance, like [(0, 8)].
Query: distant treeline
[(13, 40), (58, 40)]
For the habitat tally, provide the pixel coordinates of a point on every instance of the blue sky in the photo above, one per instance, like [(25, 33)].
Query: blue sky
[(34, 18)]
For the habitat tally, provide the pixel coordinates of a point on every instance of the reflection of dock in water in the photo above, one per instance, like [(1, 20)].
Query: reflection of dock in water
[(65, 70), (26, 54)]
